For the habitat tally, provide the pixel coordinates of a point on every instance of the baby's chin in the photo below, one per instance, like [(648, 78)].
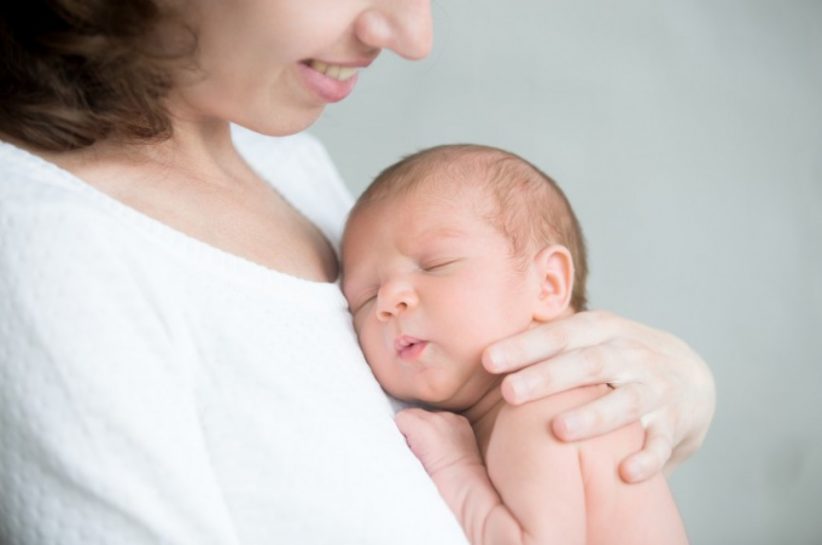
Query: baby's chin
[(438, 385), (456, 406), (441, 395)]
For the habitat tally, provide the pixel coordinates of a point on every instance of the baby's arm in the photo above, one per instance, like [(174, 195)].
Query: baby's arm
[(571, 492), (542, 490), (445, 444)]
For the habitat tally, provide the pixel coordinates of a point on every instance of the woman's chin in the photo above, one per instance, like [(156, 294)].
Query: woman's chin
[(274, 125)]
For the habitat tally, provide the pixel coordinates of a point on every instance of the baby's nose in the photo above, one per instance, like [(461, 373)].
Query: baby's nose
[(395, 298)]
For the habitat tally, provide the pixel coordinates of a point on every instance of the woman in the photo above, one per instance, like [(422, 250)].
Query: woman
[(177, 361)]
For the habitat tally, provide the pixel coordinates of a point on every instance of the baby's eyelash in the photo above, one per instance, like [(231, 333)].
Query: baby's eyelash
[(362, 304), (428, 267)]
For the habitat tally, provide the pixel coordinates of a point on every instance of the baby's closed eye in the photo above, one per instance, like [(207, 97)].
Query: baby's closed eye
[(436, 265), (361, 301)]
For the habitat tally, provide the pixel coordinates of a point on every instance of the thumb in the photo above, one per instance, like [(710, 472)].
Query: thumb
[(419, 434), (438, 439)]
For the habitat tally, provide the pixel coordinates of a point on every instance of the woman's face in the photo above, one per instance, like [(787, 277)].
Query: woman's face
[(273, 65)]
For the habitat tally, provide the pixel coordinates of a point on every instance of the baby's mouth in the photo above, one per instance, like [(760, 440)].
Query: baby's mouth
[(409, 348)]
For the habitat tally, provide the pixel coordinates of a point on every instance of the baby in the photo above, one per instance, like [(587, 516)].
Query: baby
[(448, 251)]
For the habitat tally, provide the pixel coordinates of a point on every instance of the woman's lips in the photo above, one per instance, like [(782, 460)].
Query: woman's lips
[(409, 348), (331, 83)]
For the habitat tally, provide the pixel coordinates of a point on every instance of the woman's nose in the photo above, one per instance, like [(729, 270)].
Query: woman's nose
[(395, 298), (403, 26)]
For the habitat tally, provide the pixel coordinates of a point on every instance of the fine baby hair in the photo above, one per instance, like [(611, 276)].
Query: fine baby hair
[(531, 209)]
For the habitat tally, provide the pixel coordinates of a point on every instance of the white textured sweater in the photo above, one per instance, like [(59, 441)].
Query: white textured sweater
[(154, 389)]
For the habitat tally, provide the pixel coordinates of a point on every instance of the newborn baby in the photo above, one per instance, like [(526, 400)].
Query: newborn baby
[(448, 251)]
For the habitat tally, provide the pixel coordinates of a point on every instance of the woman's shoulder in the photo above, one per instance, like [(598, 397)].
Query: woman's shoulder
[(26, 178), (35, 191), (52, 224), (43, 207)]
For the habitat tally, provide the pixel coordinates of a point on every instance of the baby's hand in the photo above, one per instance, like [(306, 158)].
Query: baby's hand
[(445, 444), (441, 440)]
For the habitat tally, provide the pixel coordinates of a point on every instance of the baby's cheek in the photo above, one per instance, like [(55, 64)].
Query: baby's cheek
[(369, 346), (378, 358), (487, 325)]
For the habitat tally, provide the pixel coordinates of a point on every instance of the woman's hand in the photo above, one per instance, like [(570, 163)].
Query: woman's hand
[(657, 378)]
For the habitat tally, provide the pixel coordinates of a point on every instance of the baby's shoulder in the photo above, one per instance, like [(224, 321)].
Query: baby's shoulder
[(532, 422), (541, 411)]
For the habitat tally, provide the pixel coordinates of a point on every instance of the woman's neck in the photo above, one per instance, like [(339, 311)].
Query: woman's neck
[(197, 183), (202, 151)]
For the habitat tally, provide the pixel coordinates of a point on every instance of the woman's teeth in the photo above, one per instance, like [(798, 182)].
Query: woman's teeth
[(337, 72)]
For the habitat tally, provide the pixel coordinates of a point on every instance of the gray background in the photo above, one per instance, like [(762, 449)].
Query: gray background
[(688, 136)]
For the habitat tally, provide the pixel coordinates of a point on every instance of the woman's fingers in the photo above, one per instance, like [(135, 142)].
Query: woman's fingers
[(622, 406), (651, 459), (652, 371), (547, 340), (615, 363)]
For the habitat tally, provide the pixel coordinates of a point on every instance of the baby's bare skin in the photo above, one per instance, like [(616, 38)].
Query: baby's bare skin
[(431, 283), (527, 487)]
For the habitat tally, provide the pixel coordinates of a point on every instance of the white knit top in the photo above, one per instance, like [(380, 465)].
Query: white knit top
[(154, 389)]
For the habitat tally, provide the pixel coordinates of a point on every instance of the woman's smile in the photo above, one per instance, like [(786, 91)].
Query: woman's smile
[(331, 82)]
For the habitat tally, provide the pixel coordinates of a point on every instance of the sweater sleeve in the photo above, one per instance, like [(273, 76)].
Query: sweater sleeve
[(100, 439)]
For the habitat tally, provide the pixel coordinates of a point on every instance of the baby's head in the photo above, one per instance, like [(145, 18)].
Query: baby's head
[(449, 250)]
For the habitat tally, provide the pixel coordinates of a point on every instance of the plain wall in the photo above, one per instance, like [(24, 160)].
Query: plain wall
[(688, 136)]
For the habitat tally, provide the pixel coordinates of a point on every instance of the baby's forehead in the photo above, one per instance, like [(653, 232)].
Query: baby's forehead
[(487, 184), (433, 211), (440, 201)]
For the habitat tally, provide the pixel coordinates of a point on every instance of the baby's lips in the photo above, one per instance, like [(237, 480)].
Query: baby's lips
[(404, 341)]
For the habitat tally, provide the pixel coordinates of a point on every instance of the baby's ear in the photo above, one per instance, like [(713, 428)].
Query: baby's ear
[(555, 269)]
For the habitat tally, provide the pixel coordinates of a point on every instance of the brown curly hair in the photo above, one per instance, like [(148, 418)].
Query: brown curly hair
[(73, 72)]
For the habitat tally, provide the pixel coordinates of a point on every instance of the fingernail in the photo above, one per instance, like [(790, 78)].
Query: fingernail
[(573, 426), (495, 359), (635, 469), (520, 389)]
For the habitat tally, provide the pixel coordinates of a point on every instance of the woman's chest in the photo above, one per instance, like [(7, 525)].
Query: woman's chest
[(256, 224), (242, 215), (299, 433)]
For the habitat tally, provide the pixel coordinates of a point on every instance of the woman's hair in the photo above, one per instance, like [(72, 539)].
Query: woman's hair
[(73, 72)]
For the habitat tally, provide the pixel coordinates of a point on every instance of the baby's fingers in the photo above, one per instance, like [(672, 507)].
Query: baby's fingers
[(653, 456), (438, 439), (624, 405), (415, 425)]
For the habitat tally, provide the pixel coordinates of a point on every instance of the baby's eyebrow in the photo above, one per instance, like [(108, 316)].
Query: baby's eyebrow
[(358, 282), (345, 285), (442, 232)]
